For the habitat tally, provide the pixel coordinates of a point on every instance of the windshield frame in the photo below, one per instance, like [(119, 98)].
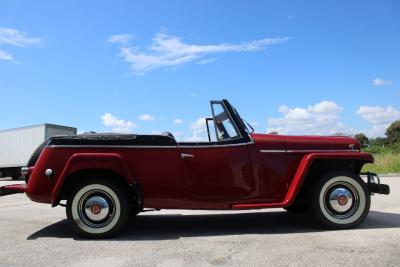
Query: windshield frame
[(229, 116)]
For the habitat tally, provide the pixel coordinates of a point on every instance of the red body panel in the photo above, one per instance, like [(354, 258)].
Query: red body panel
[(300, 175), (267, 172), (12, 189)]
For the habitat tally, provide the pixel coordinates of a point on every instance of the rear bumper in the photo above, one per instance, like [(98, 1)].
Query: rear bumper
[(12, 189), (374, 184), (379, 188)]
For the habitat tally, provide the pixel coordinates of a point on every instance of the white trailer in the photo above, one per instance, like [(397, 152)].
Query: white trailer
[(17, 145)]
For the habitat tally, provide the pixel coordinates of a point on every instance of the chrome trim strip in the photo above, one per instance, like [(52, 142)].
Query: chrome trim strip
[(272, 151), (321, 150), (307, 151)]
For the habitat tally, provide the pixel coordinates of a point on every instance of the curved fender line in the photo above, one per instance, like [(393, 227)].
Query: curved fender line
[(80, 161), (299, 176)]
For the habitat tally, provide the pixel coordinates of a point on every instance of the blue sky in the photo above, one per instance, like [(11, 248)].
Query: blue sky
[(298, 67)]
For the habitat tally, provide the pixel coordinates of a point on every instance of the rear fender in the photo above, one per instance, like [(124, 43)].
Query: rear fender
[(83, 161)]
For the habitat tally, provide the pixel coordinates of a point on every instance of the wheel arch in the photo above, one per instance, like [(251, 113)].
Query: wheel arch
[(319, 165), (89, 165)]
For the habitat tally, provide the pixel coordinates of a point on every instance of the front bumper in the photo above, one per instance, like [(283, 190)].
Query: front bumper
[(374, 184), (12, 189)]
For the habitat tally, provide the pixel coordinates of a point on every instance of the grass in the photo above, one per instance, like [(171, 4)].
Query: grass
[(387, 159)]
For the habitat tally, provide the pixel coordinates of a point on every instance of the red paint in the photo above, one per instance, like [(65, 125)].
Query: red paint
[(14, 188), (301, 172), (217, 177), (83, 161)]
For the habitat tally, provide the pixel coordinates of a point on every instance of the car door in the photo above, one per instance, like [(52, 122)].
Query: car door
[(217, 173)]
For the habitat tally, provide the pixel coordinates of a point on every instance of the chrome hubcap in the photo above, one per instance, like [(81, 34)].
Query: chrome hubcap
[(96, 208), (340, 199)]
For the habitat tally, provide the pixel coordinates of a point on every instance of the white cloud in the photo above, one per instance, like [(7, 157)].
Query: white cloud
[(199, 131), (320, 119), (167, 51), (17, 38), (121, 38), (206, 61), (379, 117), (381, 82), (117, 125), (146, 117), (284, 109), (178, 121), (4, 55)]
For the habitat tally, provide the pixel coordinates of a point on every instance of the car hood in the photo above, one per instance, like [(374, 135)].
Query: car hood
[(310, 143)]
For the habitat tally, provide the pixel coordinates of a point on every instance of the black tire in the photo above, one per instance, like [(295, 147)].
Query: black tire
[(340, 200), (135, 212), (36, 153), (297, 207), (97, 209)]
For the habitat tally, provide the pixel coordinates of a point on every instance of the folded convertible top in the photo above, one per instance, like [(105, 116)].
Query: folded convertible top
[(111, 139)]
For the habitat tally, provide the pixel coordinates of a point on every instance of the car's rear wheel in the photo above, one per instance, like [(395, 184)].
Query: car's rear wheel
[(97, 209), (340, 200)]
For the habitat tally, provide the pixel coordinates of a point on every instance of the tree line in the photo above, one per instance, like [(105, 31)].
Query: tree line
[(392, 137)]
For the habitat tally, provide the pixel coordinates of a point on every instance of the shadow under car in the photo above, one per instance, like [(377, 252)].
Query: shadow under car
[(174, 226)]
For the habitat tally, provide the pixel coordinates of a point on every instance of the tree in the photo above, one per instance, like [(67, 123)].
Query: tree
[(393, 133), (379, 141), (363, 139)]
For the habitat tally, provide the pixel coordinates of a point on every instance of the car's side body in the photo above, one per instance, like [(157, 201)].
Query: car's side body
[(265, 170), (248, 171), (261, 173)]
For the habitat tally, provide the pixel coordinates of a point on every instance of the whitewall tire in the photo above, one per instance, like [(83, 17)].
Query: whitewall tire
[(97, 209), (340, 200)]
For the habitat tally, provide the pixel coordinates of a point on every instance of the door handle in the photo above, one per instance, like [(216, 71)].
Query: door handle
[(184, 156)]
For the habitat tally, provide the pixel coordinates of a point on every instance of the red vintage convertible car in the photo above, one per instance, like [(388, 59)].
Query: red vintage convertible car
[(106, 178)]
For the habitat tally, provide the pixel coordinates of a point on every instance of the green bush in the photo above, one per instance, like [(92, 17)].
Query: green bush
[(387, 158)]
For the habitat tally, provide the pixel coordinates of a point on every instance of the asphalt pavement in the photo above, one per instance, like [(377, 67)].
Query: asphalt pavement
[(33, 234)]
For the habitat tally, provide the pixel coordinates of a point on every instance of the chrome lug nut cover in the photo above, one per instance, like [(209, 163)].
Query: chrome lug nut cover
[(341, 199), (96, 208)]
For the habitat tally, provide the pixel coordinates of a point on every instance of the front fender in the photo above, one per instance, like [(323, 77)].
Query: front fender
[(306, 163), (301, 173), (83, 161)]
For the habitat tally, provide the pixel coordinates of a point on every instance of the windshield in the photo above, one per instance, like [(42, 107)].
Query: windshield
[(224, 126)]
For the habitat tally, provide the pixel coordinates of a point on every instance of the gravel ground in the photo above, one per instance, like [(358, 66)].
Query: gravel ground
[(35, 234)]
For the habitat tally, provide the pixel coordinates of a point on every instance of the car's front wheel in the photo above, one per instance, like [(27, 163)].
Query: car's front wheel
[(97, 209), (340, 200)]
